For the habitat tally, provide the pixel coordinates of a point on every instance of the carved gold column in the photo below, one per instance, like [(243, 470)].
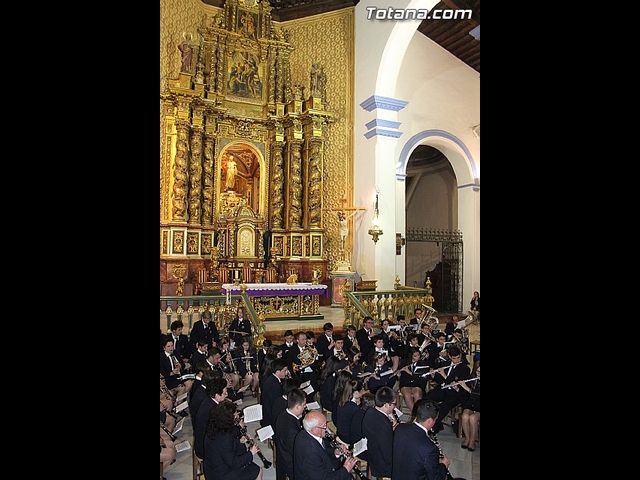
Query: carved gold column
[(314, 182), (207, 180), (180, 174), (294, 215), (195, 169), (277, 186)]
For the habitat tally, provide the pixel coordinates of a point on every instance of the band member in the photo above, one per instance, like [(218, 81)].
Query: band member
[(247, 361), (325, 342), (313, 457), (288, 425), (239, 329), (181, 346), (204, 329), (226, 456), (272, 389), (417, 317), (216, 393), (378, 430), (171, 369), (415, 455), (470, 418), (452, 396), (381, 373), (364, 337), (412, 383), (350, 338), (348, 405), (299, 353)]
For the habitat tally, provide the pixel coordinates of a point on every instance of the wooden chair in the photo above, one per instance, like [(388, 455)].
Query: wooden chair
[(198, 469)]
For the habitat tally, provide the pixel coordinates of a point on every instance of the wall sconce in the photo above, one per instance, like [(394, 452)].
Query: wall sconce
[(375, 231)]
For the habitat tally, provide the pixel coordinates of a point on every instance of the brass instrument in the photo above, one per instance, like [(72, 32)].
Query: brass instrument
[(461, 344), (425, 343), (431, 320), (307, 357), (330, 437)]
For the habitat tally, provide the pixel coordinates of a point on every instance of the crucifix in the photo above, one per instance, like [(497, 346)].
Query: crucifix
[(342, 219)]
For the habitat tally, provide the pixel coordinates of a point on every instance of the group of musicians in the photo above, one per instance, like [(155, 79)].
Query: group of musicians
[(430, 367)]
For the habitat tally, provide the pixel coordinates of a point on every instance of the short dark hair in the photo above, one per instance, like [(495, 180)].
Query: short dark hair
[(327, 326), (337, 336), (287, 333), (425, 409), (453, 351), (295, 397), (279, 364), (385, 395)]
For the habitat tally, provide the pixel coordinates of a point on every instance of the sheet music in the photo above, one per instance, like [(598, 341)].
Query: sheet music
[(309, 390), (360, 446), (313, 406), (398, 412), (244, 388), (178, 426), (305, 384), (265, 432), (182, 446), (180, 398), (181, 407), (252, 413)]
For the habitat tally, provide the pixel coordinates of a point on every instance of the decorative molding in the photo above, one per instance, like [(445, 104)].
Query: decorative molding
[(383, 103)]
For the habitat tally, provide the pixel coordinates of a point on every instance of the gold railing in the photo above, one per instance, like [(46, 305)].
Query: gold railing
[(190, 308), (383, 304)]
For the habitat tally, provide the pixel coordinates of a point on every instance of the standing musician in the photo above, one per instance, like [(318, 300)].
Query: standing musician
[(287, 426), (239, 329), (247, 360), (325, 342), (365, 336), (378, 430), (303, 371), (412, 383), (226, 456), (417, 317), (216, 393), (272, 389), (204, 329), (350, 339), (451, 397), (415, 454), (313, 456)]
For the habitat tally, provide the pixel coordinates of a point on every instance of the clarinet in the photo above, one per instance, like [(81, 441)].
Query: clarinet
[(434, 439), (166, 430), (331, 438), (251, 443)]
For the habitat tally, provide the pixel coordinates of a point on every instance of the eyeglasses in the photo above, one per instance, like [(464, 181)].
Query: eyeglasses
[(324, 427)]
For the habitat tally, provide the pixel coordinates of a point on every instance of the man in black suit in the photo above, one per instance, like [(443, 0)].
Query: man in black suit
[(350, 339), (325, 342), (181, 347), (418, 316), (447, 398), (199, 354), (415, 455), (364, 336), (272, 389), (313, 457), (294, 363), (204, 329), (240, 328), (289, 341), (287, 426), (377, 428), (216, 393)]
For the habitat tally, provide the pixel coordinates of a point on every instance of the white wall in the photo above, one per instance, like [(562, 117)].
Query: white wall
[(394, 61)]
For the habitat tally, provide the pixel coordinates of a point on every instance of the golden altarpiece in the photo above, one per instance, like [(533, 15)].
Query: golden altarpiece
[(242, 172)]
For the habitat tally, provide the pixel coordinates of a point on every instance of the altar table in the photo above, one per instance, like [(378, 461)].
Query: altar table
[(283, 301)]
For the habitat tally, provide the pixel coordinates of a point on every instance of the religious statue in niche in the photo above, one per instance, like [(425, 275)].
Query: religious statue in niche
[(186, 48)]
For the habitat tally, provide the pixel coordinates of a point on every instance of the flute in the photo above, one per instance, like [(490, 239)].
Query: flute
[(458, 383), (331, 438)]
